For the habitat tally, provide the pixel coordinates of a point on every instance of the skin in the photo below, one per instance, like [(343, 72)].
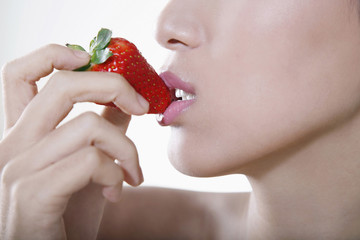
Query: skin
[(277, 86), (42, 163), (261, 105)]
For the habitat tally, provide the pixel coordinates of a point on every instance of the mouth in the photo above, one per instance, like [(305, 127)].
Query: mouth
[(183, 96)]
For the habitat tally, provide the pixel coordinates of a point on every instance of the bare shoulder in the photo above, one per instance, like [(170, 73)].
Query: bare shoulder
[(160, 213)]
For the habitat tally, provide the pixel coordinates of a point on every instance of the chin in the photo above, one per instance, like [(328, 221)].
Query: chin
[(189, 160), (200, 164), (190, 167), (197, 160)]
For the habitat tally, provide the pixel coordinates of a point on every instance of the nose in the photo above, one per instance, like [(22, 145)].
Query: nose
[(179, 26)]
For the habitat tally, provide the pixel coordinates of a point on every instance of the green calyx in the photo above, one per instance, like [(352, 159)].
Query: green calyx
[(98, 49)]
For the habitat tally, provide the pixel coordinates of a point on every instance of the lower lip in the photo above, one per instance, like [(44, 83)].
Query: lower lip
[(173, 111)]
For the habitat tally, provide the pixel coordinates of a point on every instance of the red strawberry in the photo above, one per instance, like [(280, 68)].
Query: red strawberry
[(121, 56)]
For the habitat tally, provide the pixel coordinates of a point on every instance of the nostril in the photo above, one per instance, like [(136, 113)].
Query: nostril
[(179, 28), (175, 41)]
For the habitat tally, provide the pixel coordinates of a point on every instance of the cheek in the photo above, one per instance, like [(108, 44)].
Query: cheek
[(242, 116), (254, 121), (275, 89)]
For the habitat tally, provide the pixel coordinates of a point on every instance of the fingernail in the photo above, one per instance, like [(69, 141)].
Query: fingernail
[(81, 54), (142, 101)]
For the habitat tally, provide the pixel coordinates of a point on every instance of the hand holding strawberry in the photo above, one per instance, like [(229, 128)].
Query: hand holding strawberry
[(121, 56), (44, 164)]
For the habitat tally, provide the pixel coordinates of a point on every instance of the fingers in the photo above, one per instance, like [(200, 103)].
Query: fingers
[(66, 88), (20, 75), (50, 189), (88, 129), (79, 169)]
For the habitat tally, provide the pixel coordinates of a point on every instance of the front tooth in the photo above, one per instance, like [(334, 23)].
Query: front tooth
[(184, 95), (159, 117), (179, 93)]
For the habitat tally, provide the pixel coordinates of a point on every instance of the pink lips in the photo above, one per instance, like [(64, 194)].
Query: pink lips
[(176, 107)]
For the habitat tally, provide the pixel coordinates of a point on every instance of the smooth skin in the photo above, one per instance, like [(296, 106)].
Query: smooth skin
[(277, 88), (42, 164)]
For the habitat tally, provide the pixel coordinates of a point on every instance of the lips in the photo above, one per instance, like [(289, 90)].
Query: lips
[(183, 97)]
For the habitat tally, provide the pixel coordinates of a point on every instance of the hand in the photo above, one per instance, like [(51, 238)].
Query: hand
[(43, 164)]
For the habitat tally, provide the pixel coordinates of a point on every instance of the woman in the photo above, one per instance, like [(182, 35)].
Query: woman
[(277, 88)]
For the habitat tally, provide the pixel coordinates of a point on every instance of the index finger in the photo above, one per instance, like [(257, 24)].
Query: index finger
[(20, 76)]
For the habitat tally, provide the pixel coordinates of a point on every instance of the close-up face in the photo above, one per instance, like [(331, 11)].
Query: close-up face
[(266, 74)]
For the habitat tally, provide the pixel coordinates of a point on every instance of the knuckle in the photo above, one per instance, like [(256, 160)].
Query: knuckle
[(88, 124), (48, 52), (60, 84), (90, 121), (18, 188), (11, 184), (56, 54), (130, 151), (7, 175), (7, 70), (60, 80), (50, 48)]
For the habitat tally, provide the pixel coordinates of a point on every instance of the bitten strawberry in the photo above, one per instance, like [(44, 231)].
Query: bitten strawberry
[(121, 56)]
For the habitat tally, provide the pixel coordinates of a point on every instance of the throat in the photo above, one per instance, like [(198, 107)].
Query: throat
[(311, 192)]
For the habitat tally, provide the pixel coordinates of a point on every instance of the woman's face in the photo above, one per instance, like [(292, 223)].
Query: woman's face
[(266, 74)]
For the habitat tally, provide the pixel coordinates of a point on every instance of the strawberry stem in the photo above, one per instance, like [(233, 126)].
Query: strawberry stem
[(98, 51)]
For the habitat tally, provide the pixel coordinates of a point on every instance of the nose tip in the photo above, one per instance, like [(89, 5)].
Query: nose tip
[(178, 27)]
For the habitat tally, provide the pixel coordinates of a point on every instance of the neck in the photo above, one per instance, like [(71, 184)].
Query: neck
[(310, 190)]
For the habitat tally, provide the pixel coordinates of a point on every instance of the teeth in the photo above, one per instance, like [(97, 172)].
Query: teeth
[(159, 117), (184, 95), (179, 93)]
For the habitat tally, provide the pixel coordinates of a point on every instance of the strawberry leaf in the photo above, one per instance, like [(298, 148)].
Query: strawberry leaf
[(75, 47), (101, 40), (100, 56), (92, 43)]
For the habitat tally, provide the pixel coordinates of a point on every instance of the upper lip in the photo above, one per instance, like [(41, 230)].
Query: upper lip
[(173, 82)]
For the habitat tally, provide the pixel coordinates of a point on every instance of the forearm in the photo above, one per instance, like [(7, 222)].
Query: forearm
[(154, 213)]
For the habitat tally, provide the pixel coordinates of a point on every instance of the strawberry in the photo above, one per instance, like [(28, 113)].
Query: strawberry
[(118, 55)]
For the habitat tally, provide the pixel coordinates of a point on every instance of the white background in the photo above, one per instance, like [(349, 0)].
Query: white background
[(27, 25)]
